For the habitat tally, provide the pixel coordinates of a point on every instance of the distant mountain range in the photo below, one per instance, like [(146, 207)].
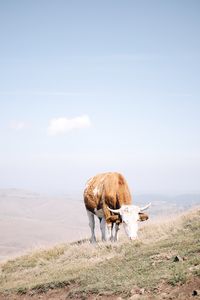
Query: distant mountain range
[(167, 205)]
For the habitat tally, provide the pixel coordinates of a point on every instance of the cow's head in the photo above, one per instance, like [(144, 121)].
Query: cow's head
[(130, 215)]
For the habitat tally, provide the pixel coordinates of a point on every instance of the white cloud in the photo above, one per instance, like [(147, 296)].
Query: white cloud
[(17, 125), (63, 125)]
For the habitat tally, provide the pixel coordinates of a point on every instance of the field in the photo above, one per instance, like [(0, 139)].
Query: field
[(29, 220), (164, 263)]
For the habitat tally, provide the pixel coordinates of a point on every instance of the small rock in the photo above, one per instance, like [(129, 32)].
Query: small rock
[(141, 291), (177, 258), (196, 293)]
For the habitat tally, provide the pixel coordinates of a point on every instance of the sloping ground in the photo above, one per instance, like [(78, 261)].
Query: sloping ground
[(29, 220), (163, 264)]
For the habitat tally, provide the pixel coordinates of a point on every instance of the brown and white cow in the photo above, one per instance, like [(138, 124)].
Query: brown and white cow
[(108, 197)]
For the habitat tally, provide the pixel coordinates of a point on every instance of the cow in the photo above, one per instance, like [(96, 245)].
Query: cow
[(108, 197)]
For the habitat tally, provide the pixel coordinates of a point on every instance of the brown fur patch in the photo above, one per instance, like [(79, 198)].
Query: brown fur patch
[(143, 217)]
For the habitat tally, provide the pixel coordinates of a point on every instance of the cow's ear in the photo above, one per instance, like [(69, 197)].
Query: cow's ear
[(143, 217)]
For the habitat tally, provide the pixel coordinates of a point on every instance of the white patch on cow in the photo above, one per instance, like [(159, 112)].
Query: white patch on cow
[(95, 191)]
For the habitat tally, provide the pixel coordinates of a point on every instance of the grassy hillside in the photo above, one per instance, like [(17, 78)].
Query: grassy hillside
[(166, 257), (29, 219)]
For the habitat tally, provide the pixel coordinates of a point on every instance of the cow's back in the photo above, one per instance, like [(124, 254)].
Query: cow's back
[(106, 188)]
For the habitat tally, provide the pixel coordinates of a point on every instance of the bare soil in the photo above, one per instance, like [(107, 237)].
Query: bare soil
[(188, 291)]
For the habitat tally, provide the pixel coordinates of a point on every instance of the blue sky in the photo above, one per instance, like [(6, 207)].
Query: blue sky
[(94, 86)]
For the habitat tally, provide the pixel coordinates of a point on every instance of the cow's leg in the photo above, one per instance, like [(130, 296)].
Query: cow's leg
[(109, 231), (92, 226), (103, 229), (106, 230), (116, 232), (112, 232)]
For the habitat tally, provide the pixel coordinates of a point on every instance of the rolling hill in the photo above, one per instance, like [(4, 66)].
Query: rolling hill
[(164, 263), (29, 220)]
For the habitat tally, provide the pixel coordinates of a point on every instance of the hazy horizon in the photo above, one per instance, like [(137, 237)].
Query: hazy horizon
[(91, 87)]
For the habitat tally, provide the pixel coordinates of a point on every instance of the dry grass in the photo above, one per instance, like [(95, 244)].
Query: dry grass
[(111, 268)]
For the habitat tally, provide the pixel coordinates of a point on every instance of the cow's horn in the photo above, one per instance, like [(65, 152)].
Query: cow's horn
[(117, 211), (145, 207)]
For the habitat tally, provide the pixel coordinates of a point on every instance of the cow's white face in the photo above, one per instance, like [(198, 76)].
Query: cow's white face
[(130, 218), (130, 215)]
